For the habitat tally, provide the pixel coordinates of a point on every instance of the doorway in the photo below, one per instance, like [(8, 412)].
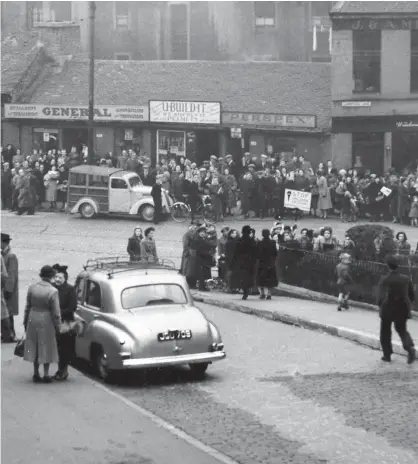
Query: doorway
[(404, 151), (370, 148), (207, 144), (74, 138)]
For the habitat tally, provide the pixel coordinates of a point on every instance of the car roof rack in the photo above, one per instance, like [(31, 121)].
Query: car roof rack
[(113, 264)]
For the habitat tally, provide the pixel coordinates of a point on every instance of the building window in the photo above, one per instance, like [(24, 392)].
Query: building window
[(170, 144), (414, 61), (367, 46), (179, 31), (129, 139), (265, 14), (36, 12), (123, 56), (121, 15), (60, 11)]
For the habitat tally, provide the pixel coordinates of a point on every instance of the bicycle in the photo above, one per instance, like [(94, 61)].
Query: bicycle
[(181, 211)]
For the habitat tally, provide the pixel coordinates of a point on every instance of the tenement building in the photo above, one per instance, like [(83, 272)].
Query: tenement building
[(375, 85), (233, 84)]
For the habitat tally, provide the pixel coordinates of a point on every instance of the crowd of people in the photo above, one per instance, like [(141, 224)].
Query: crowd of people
[(252, 184)]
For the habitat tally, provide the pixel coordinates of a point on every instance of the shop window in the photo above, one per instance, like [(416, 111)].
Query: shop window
[(45, 139), (122, 17), (367, 48), (98, 181), (129, 139), (170, 144), (265, 14), (414, 61), (78, 179)]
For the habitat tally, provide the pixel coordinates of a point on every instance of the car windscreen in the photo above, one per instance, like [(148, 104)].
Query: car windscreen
[(149, 295), (134, 182)]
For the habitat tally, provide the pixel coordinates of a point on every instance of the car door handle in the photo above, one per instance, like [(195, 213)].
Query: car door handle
[(95, 316)]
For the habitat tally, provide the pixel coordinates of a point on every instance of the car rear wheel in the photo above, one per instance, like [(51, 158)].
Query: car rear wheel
[(100, 364), (87, 211), (147, 213), (199, 370)]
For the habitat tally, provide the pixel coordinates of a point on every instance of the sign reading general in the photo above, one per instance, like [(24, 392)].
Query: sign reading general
[(185, 112), (57, 112), (296, 121)]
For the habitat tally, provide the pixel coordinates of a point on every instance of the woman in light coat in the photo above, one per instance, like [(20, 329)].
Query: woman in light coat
[(42, 323), (148, 247), (51, 186), (324, 198)]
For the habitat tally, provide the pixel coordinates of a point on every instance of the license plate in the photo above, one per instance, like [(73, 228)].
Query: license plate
[(174, 335)]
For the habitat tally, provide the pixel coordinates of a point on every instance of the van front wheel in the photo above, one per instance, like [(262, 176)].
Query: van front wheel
[(87, 211), (146, 213)]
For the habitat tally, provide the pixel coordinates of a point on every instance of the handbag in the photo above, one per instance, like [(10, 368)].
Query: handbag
[(20, 348)]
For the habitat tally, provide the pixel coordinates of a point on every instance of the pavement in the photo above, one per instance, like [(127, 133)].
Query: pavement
[(283, 395), (355, 324)]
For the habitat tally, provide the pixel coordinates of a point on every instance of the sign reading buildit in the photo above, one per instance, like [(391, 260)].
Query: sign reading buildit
[(185, 112), (78, 113)]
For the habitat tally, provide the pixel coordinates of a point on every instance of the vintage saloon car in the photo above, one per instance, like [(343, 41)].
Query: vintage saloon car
[(138, 315), (94, 190)]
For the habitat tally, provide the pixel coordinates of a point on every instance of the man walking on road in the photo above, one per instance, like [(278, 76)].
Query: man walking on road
[(395, 297)]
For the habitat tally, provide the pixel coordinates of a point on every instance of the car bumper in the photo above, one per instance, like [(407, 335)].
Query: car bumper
[(174, 360)]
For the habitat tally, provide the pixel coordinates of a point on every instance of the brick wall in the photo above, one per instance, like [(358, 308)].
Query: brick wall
[(13, 17), (10, 133)]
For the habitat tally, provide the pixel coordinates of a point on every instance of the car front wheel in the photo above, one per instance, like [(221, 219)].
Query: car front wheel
[(147, 213), (199, 370)]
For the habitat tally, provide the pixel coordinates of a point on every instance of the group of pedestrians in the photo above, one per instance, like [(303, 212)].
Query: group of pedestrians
[(49, 322)]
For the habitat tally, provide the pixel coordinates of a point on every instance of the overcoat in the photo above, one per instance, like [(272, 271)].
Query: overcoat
[(42, 321), (266, 275), (187, 252), (4, 310), (148, 250), (12, 281), (200, 260), (395, 296), (243, 262), (324, 198)]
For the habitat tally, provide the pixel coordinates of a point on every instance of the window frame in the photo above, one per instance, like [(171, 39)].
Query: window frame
[(116, 21), (80, 297), (171, 5), (86, 288), (263, 21), (414, 61), (152, 285), (117, 54), (117, 188), (362, 56)]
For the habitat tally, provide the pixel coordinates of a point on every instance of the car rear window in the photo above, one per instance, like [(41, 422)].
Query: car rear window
[(149, 295)]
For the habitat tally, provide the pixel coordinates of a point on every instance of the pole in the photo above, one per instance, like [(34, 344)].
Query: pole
[(90, 145)]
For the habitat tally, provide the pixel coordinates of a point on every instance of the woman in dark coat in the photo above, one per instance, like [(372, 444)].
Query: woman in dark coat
[(68, 304), (266, 276), (187, 254), (243, 263), (201, 258), (230, 277), (134, 245)]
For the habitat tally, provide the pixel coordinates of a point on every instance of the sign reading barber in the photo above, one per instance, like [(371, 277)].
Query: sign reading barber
[(185, 112)]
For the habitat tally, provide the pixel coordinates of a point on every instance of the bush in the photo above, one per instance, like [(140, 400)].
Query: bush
[(365, 237)]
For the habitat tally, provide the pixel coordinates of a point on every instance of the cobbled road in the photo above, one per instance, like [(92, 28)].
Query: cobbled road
[(283, 395)]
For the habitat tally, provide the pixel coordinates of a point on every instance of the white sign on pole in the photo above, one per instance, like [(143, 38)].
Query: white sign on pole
[(296, 199), (46, 136), (185, 112)]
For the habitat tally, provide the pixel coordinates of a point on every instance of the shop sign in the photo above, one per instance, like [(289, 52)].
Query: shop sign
[(78, 113), (356, 104), (363, 24), (236, 132), (46, 136), (186, 112), (300, 121), (407, 125)]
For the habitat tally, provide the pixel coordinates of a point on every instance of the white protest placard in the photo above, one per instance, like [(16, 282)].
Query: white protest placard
[(297, 199), (386, 191)]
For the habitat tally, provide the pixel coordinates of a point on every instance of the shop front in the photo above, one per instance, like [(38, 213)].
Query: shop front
[(282, 135), (44, 127), (185, 129), (379, 143)]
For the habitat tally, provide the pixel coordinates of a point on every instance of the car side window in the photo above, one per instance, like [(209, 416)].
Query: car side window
[(79, 286), (119, 184), (93, 295)]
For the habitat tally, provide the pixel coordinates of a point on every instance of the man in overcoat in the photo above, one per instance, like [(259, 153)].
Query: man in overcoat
[(11, 286), (395, 297)]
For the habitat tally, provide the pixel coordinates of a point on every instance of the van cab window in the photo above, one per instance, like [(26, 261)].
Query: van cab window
[(93, 295), (118, 184)]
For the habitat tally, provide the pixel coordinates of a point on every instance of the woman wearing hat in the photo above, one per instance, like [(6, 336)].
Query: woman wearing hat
[(42, 321), (68, 304), (244, 259)]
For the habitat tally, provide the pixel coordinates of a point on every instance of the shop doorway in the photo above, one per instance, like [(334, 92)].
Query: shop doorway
[(405, 151), (369, 147), (207, 144), (74, 138)]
